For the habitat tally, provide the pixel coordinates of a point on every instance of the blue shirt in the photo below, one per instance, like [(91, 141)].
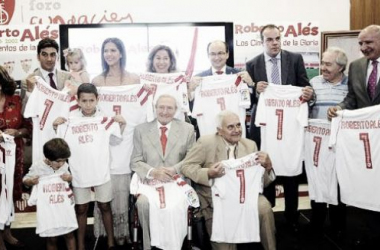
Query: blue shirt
[(328, 94)]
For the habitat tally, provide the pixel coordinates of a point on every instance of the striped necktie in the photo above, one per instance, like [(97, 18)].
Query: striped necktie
[(275, 72)]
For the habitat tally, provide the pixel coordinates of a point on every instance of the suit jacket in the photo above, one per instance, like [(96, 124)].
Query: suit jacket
[(229, 71), (292, 72), (61, 76), (209, 150), (147, 151), (357, 96), (292, 69)]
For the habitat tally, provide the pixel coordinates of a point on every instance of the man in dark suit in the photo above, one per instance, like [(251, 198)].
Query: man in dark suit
[(47, 55), (218, 53), (290, 70), (151, 160), (360, 96)]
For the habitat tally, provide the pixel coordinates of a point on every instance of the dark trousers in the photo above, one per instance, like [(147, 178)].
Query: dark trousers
[(290, 184), (336, 214)]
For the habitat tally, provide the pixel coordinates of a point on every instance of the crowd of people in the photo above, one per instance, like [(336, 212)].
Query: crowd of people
[(165, 147)]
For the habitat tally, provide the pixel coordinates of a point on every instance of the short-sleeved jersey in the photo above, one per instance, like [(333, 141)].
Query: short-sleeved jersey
[(235, 201), (55, 206), (168, 84), (7, 169), (320, 163), (355, 135), (282, 116), (217, 93), (44, 105), (89, 141), (123, 100), (168, 204)]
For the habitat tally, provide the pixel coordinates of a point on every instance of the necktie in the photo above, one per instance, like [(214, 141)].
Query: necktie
[(219, 72), (163, 139), (275, 72), (371, 87), (231, 152), (52, 83)]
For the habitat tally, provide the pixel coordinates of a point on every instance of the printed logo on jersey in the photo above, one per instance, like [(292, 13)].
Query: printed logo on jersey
[(6, 11)]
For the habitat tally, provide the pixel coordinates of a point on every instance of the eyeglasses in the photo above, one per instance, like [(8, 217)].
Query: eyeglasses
[(219, 54)]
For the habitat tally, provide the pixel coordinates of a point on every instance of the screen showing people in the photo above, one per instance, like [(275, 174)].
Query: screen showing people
[(186, 41)]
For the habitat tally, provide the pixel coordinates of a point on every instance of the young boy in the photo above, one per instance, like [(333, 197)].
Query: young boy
[(89, 135), (55, 211)]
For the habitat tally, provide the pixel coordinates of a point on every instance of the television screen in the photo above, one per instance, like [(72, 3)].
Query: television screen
[(139, 39)]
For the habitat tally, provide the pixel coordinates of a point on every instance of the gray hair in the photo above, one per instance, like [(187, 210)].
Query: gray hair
[(341, 57), (221, 115), (167, 96)]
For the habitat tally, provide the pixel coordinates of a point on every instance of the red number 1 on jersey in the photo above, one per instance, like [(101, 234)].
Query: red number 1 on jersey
[(280, 122), (161, 193), (367, 149), (317, 148), (240, 174)]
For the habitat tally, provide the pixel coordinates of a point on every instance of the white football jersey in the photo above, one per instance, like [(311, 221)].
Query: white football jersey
[(217, 93), (320, 163), (168, 204), (123, 100), (355, 135), (283, 116), (7, 169), (160, 84), (44, 105), (235, 200), (89, 141), (55, 206)]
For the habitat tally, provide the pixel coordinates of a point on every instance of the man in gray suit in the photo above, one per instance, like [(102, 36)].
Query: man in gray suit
[(202, 164), (360, 96), (152, 160), (47, 55), (291, 70)]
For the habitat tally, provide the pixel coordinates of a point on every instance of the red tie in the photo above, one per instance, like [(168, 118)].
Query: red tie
[(52, 83), (371, 87), (219, 72), (163, 139)]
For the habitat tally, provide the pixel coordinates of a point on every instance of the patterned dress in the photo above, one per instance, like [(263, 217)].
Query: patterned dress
[(11, 118)]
